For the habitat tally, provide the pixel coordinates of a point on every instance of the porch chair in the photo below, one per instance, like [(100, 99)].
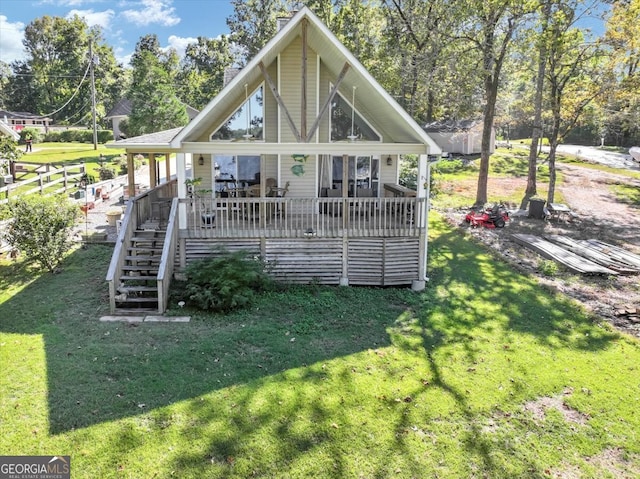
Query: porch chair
[(277, 208)]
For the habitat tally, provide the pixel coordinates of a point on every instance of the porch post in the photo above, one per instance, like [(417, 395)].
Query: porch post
[(153, 179), (167, 166), (182, 188), (131, 175), (421, 222), (344, 279)]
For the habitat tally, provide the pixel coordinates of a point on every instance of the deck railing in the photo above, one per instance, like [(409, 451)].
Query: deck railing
[(167, 260), (303, 217)]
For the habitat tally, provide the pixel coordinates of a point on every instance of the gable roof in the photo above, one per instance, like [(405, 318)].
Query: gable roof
[(21, 115), (124, 105), (396, 121), (121, 108), (451, 125)]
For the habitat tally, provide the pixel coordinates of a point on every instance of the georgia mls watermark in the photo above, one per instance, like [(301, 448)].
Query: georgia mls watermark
[(35, 467)]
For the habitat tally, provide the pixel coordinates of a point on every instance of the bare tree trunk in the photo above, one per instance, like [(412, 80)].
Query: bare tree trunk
[(536, 135), (491, 88), (553, 146)]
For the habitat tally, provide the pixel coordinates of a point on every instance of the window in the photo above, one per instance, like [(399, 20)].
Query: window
[(363, 172), (237, 171), (247, 122), (342, 117)]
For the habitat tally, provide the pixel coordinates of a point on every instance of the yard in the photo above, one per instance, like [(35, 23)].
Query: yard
[(484, 374)]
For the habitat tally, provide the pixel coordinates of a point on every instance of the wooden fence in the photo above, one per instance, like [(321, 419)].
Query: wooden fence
[(54, 181)]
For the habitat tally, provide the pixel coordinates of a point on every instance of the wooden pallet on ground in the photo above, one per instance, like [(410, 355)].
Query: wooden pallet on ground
[(600, 255), (570, 260)]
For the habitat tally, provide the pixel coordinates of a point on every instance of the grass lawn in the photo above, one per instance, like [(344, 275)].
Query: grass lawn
[(483, 374), (60, 154)]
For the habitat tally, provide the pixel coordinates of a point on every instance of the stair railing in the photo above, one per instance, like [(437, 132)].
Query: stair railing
[(167, 260), (127, 229)]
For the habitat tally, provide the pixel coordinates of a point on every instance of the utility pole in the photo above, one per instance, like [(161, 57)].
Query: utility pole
[(93, 97)]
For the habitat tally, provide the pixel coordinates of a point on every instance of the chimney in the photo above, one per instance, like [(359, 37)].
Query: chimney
[(282, 21), (229, 74)]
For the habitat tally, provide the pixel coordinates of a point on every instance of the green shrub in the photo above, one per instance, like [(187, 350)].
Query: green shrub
[(36, 135), (78, 135), (548, 267), (106, 173), (449, 166), (225, 281), (41, 228)]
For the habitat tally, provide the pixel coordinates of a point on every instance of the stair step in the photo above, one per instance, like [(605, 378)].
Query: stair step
[(133, 249), (137, 289), (144, 257), (138, 277), (149, 239), (137, 299)]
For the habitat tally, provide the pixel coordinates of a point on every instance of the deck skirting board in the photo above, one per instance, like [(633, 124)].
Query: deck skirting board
[(369, 261)]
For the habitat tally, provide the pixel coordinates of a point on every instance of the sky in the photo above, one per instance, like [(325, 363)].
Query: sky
[(176, 22)]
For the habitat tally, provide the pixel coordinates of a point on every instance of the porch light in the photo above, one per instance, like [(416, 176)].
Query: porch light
[(201, 160), (389, 161)]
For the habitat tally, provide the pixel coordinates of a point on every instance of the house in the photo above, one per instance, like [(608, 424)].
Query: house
[(296, 160), (459, 136), (18, 120), (122, 109)]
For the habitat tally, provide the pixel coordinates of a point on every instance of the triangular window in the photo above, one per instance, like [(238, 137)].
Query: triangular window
[(348, 124), (247, 122)]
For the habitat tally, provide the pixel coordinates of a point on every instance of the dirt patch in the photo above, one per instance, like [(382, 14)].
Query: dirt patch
[(540, 406), (613, 460), (598, 214)]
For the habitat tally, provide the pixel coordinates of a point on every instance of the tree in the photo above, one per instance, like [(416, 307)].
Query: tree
[(202, 74), (41, 228), (536, 135), (622, 102), (253, 23), (154, 103), (573, 76), (53, 80), (416, 37), (489, 27)]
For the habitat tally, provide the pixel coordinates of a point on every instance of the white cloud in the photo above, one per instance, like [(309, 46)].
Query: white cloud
[(153, 11), (92, 18), (11, 37), (69, 3), (180, 43)]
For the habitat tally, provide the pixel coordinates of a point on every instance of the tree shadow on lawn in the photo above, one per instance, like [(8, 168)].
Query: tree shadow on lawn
[(100, 372), (502, 310)]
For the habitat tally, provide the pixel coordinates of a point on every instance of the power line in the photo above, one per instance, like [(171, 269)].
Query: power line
[(75, 93)]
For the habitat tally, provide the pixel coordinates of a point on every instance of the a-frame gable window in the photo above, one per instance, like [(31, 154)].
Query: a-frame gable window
[(247, 122), (348, 124)]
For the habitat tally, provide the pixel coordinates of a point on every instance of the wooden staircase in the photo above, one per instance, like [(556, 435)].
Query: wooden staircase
[(137, 290)]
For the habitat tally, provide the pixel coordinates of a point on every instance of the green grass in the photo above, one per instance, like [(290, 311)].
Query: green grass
[(319, 381), (457, 189), (61, 154)]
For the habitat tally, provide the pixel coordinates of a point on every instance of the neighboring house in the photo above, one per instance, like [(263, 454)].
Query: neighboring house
[(462, 136), (295, 160), (122, 109), (18, 120)]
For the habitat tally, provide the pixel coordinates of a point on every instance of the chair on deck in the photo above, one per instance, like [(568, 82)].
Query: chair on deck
[(274, 192)]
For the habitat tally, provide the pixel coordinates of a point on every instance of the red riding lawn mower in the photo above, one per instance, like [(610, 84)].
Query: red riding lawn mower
[(494, 217)]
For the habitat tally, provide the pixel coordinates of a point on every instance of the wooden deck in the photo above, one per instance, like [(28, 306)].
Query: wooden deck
[(304, 217)]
